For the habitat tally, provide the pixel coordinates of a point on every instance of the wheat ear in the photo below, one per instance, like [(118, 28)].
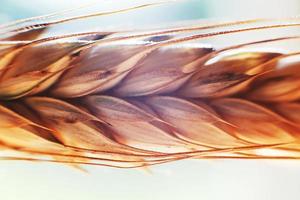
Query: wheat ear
[(135, 99)]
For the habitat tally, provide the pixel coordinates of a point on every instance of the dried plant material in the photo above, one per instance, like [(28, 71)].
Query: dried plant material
[(98, 69), (226, 73), (162, 71), (139, 98)]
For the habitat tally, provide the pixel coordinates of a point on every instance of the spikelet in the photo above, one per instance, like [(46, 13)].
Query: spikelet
[(140, 98)]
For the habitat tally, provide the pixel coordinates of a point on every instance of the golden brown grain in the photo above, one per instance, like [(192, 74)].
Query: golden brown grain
[(135, 99)]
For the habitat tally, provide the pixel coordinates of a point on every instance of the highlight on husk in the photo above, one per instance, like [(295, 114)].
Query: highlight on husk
[(137, 98)]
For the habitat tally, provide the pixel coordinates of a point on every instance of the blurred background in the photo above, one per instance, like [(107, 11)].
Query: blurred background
[(180, 10), (189, 9), (192, 179)]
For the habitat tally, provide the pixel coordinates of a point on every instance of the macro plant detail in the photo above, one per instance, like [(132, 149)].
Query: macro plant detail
[(137, 98)]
